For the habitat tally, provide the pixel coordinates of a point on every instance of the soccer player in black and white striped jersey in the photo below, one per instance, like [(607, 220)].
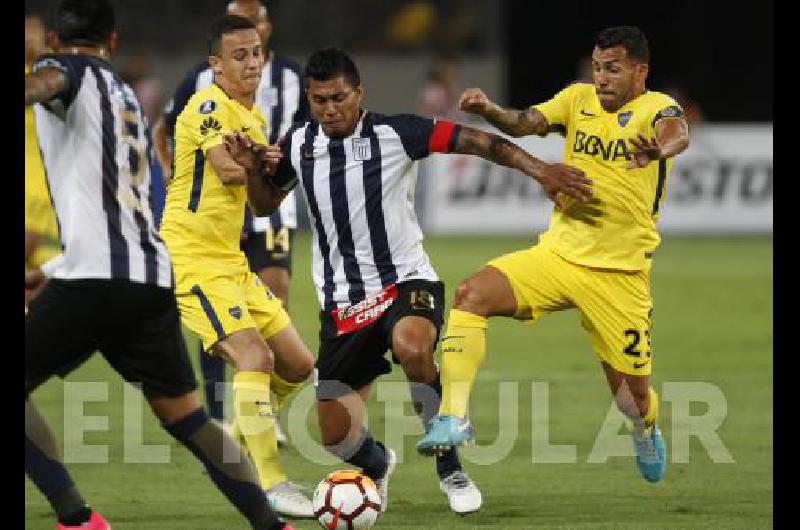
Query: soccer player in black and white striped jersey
[(375, 283), (111, 289)]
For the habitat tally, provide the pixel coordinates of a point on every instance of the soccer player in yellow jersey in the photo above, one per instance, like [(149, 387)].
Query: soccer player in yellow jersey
[(594, 257), (41, 229), (220, 299)]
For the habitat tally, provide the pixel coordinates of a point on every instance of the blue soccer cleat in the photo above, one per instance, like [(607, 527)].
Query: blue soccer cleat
[(445, 433), (651, 454)]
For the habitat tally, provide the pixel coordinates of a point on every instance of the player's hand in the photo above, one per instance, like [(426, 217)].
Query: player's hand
[(271, 156), (243, 150), (475, 101), (561, 178), (645, 151)]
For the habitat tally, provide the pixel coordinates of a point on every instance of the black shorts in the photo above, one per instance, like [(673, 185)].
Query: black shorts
[(349, 362), (135, 326), (269, 249)]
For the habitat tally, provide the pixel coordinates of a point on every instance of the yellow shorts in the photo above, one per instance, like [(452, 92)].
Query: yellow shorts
[(615, 306), (215, 305)]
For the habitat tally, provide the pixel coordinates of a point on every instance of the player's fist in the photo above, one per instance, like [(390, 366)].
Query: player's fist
[(474, 100), (561, 178)]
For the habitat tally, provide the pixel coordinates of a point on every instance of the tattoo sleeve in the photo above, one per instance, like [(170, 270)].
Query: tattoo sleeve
[(519, 122), (496, 149)]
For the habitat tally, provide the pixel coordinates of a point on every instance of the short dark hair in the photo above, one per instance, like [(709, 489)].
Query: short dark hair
[(326, 64), (224, 25), (84, 21), (629, 37)]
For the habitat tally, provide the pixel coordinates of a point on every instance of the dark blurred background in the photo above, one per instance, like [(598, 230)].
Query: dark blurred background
[(718, 54), (714, 57)]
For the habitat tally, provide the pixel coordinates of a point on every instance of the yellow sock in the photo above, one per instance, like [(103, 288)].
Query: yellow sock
[(641, 427), (282, 389), (463, 351), (256, 421), (652, 409)]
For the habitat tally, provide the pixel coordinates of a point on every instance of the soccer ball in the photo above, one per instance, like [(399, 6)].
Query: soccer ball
[(346, 500)]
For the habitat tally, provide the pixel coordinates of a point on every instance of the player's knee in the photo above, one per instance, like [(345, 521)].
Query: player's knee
[(414, 350), (471, 297), (414, 355), (301, 369), (251, 356)]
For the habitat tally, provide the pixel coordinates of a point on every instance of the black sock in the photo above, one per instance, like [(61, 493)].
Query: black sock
[(213, 370), (237, 479), (426, 400), (77, 518), (43, 466), (371, 457)]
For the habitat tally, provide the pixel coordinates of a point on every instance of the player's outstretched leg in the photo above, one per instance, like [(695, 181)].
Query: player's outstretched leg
[(639, 402), (293, 364), (253, 363), (413, 342), (227, 465), (341, 420), (43, 466), (485, 294), (276, 278)]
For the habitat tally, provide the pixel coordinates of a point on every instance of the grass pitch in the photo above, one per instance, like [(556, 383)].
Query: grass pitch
[(712, 324)]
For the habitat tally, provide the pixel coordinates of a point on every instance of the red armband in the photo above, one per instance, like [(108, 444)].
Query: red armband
[(443, 137)]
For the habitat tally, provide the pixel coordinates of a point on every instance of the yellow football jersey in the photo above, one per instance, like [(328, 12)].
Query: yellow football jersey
[(617, 230), (203, 218), (39, 215)]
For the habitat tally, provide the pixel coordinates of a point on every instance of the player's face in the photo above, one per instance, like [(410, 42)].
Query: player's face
[(240, 60), (336, 105), (255, 13), (34, 38), (617, 77)]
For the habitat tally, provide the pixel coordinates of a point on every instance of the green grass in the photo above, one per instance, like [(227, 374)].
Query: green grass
[(712, 323)]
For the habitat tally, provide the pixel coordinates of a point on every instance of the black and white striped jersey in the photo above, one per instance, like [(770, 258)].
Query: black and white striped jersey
[(281, 99), (360, 196), (95, 150)]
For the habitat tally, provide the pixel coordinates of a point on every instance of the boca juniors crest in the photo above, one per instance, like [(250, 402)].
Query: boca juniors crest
[(624, 118)]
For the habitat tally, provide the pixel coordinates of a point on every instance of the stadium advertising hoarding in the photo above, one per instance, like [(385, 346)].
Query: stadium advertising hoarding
[(721, 184)]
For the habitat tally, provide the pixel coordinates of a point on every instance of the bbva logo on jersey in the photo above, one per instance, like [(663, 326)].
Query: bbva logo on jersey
[(362, 150), (593, 145)]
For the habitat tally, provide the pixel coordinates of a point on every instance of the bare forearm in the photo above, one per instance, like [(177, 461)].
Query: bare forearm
[(516, 122), (233, 177), (43, 86), (228, 171), (672, 136), (674, 146), (264, 197), (496, 149)]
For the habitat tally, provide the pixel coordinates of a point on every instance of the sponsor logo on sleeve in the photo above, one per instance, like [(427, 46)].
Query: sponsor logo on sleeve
[(210, 125), (207, 107)]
